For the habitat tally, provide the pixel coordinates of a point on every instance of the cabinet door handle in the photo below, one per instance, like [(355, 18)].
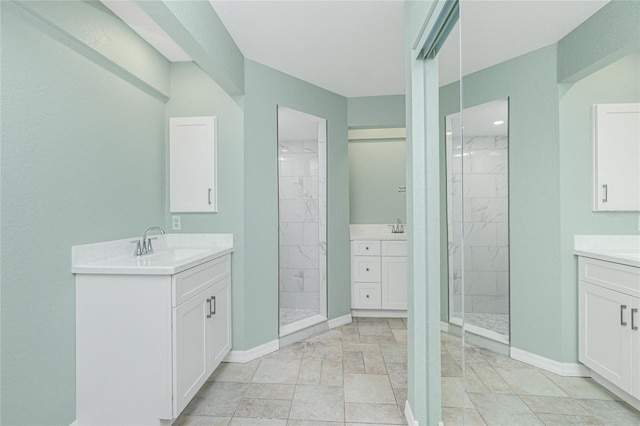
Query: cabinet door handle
[(622, 321), (214, 305), (209, 196), (366, 248), (209, 302), (367, 296), (367, 269), (605, 193), (634, 311)]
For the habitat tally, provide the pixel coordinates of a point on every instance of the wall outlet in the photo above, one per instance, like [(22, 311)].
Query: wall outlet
[(176, 223)]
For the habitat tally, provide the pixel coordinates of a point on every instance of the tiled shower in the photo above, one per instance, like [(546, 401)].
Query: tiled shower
[(478, 202), (302, 173)]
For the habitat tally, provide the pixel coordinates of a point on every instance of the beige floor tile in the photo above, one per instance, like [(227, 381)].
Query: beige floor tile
[(218, 399), (293, 351), (503, 410), (491, 379), (373, 363), (375, 329), (374, 413), (360, 347), (368, 389), (353, 362), (580, 387), (235, 372), (530, 382), (329, 351), (277, 371), (313, 423), (611, 412), (263, 408), (566, 420), (238, 421), (459, 417), (401, 397), (453, 394), (400, 335), (269, 391), (310, 371), (397, 372), (324, 403), (396, 324), (554, 405), (374, 338), (448, 367), (201, 421), (394, 353), (332, 373)]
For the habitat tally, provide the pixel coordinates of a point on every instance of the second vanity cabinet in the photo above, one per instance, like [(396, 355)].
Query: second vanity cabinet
[(609, 322), (145, 344), (379, 275)]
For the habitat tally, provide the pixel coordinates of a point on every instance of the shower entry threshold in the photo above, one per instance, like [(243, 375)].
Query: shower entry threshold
[(301, 324), (479, 331)]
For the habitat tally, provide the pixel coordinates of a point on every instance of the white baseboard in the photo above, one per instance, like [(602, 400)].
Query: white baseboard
[(561, 368), (378, 313), (75, 423), (629, 399), (411, 421), (444, 326), (253, 353), (340, 321)]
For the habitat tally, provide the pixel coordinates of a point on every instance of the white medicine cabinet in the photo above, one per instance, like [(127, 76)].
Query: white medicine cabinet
[(616, 157), (192, 164)]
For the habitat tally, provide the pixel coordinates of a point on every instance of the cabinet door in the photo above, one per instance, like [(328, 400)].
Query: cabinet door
[(616, 155), (394, 283), (219, 323), (192, 164), (190, 349), (605, 333)]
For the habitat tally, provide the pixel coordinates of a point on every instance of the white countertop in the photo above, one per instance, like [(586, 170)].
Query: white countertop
[(376, 232), (173, 253), (623, 249)]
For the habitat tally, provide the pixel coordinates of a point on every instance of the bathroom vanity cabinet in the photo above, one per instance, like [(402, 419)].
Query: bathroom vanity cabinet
[(609, 322), (145, 343), (379, 277)]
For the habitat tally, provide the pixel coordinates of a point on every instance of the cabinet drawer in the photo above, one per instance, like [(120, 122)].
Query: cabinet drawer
[(622, 278), (365, 296), (366, 269), (394, 248), (188, 283), (365, 248)]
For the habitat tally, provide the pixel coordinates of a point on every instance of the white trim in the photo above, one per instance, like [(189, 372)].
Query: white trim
[(380, 133), (75, 423), (561, 368), (253, 353), (337, 322), (411, 421), (480, 331), (444, 326), (378, 313)]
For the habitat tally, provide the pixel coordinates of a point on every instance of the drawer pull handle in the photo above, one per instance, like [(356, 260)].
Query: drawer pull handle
[(209, 302), (366, 248), (622, 321), (214, 305), (634, 311), (367, 296), (367, 269), (605, 194), (209, 196)]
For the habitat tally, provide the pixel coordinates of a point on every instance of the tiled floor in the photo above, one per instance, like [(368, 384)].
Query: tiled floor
[(356, 375)]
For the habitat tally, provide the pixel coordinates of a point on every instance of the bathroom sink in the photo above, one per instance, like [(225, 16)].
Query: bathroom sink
[(173, 253)]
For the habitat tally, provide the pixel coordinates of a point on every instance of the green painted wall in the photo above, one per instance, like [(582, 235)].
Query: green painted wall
[(376, 170), (82, 158), (265, 89), (193, 94), (617, 83), (376, 111)]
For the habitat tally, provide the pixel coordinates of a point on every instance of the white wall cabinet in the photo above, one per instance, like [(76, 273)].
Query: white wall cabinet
[(192, 164), (616, 157), (609, 322), (145, 344), (378, 275)]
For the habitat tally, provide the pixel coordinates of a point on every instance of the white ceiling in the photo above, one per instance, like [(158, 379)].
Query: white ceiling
[(356, 48)]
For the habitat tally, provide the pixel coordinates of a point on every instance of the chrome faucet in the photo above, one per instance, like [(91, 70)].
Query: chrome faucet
[(398, 228), (144, 245)]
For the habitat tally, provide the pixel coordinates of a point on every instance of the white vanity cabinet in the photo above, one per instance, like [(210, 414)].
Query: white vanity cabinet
[(378, 276), (609, 322), (145, 344)]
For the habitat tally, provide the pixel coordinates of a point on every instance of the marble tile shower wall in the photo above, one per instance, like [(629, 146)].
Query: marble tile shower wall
[(302, 198), (479, 173)]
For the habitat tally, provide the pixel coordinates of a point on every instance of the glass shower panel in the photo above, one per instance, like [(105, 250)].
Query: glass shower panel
[(302, 168)]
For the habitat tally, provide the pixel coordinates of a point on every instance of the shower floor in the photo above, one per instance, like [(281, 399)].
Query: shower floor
[(494, 322), (291, 315)]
